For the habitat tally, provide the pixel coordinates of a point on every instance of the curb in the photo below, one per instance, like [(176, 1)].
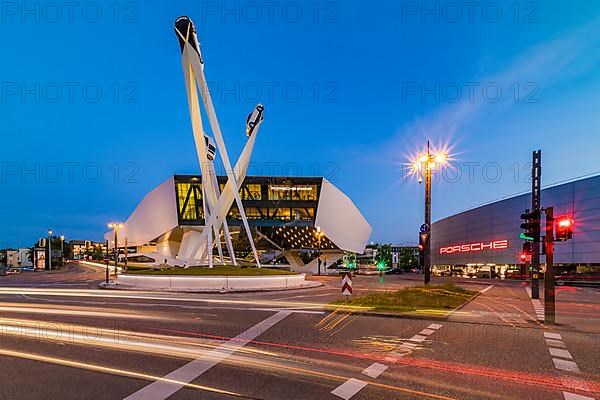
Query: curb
[(112, 286)]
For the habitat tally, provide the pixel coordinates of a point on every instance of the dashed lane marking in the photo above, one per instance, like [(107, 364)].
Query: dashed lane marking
[(352, 386), (374, 370), (349, 388)]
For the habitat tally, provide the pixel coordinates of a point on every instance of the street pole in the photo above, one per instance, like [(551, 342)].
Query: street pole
[(126, 254), (549, 292), (319, 256), (62, 250), (107, 262), (536, 190), (426, 245), (116, 248), (49, 249)]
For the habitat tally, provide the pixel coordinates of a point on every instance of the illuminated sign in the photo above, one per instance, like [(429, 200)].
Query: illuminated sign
[(475, 247), (292, 188)]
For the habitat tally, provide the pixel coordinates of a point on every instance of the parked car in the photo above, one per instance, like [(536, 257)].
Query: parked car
[(394, 271)]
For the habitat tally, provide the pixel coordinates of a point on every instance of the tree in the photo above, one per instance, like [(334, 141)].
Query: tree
[(384, 255), (408, 261)]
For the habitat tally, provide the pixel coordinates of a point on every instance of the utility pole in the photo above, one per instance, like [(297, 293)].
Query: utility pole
[(107, 261), (427, 242), (49, 249), (536, 191), (549, 293), (126, 252)]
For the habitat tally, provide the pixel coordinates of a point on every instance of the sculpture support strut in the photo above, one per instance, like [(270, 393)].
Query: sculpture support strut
[(216, 204)]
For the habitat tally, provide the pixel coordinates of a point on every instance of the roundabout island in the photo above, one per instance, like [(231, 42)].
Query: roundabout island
[(219, 279)]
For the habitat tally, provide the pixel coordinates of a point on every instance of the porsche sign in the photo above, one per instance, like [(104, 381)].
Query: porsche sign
[(475, 247)]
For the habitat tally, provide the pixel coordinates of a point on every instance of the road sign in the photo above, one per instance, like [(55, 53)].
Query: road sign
[(346, 285), (106, 260), (424, 228)]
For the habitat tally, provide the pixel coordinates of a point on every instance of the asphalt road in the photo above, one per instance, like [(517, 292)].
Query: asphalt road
[(62, 338)]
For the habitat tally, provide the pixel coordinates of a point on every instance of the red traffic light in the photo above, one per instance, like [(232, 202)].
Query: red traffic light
[(421, 247), (565, 226), (523, 257)]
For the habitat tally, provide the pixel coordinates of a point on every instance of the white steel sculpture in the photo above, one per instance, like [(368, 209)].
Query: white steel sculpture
[(216, 204)]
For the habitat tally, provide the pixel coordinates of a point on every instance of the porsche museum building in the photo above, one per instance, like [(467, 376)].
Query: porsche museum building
[(284, 214), (484, 241)]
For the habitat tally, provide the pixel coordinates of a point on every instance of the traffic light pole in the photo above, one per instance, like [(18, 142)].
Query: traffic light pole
[(549, 292), (536, 190)]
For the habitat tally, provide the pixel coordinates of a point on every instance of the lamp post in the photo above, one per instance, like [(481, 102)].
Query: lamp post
[(62, 250), (319, 236), (115, 227), (423, 166), (49, 249)]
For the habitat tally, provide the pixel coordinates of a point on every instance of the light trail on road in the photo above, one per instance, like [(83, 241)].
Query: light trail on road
[(113, 371)]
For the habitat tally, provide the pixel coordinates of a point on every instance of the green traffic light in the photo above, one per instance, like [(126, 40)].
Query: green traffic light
[(525, 237)]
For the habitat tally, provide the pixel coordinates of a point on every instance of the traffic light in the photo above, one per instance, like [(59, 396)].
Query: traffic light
[(381, 265), (423, 237), (564, 228), (526, 253), (531, 226)]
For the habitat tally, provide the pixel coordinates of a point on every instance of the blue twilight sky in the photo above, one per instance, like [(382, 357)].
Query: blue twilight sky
[(94, 114)]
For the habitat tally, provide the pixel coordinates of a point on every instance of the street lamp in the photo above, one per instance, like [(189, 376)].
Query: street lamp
[(423, 165), (49, 249), (62, 250), (319, 234), (115, 227)]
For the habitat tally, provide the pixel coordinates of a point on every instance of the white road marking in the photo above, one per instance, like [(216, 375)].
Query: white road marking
[(162, 389), (426, 332), (565, 365), (486, 289), (550, 335), (349, 388), (573, 396), (435, 326), (374, 370), (560, 353), (418, 338), (555, 343)]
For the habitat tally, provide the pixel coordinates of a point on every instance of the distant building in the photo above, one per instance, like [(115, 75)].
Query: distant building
[(23, 258), (83, 248), (11, 258)]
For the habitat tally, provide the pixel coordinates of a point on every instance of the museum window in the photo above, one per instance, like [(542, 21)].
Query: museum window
[(251, 192), (293, 192), (303, 214), (280, 214), (190, 211)]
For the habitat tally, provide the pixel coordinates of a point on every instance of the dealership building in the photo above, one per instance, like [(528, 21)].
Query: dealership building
[(485, 240)]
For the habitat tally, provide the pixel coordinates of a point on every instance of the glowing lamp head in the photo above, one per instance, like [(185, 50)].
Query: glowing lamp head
[(423, 158), (441, 158)]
